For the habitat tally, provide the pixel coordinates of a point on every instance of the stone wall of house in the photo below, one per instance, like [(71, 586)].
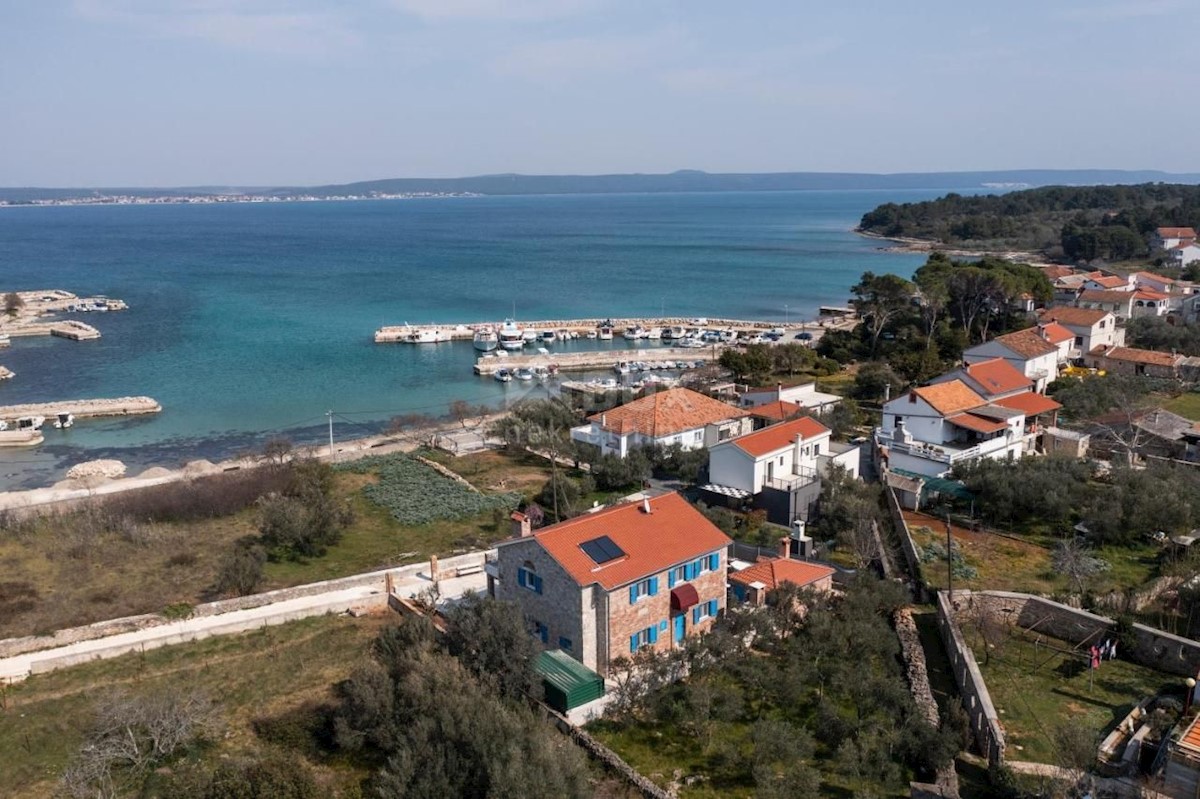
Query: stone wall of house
[(985, 724), (560, 606)]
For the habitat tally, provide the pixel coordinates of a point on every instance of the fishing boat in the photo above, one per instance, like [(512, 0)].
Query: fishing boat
[(31, 422), (511, 337), (606, 331), (503, 376), (485, 339), (64, 420), (547, 336)]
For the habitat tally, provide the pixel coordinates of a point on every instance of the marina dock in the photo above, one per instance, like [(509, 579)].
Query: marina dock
[(21, 438), (464, 332), (82, 409), (597, 360)]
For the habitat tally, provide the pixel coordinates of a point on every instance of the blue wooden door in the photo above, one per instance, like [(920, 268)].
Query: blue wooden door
[(679, 628)]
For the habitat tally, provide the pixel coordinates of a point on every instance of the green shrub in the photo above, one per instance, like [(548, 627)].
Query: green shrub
[(415, 493)]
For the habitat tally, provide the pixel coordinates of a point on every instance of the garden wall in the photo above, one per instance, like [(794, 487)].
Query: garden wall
[(912, 561), (985, 724), (1155, 648)]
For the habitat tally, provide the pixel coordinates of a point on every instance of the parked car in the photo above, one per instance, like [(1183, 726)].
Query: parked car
[(804, 335)]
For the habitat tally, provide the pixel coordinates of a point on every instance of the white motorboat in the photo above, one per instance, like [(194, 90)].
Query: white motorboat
[(621, 368), (543, 351), (673, 333), (511, 337), (606, 331), (634, 333), (5, 340), (547, 336), (485, 339), (64, 420), (425, 335), (567, 335), (592, 335), (529, 336), (31, 422), (503, 376), (524, 374), (654, 333)]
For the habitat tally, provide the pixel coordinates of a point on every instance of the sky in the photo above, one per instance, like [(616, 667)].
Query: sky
[(301, 92)]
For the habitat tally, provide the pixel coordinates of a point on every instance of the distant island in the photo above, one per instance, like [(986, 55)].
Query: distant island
[(1074, 223), (512, 184)]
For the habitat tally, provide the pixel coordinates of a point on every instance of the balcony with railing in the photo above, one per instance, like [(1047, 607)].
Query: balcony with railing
[(949, 452), (797, 478)]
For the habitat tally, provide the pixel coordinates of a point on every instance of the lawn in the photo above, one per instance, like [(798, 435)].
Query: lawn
[(1186, 405), (58, 577), (1037, 682), (1022, 563), (261, 674)]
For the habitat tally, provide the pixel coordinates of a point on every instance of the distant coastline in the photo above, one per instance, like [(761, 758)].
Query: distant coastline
[(919, 246), (220, 199)]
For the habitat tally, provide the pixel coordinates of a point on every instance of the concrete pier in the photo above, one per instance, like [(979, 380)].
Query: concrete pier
[(465, 331), (82, 409), (20, 438), (597, 360)]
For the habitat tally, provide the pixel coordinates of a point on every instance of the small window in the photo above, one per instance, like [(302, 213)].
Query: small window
[(899, 421), (564, 643), (541, 631), (699, 436), (528, 578), (648, 587), (1101, 324), (705, 610), (676, 575), (643, 638)]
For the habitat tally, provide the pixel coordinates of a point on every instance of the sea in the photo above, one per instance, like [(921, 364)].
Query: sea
[(252, 320)]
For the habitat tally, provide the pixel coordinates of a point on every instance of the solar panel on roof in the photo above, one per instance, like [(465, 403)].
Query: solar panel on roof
[(602, 549)]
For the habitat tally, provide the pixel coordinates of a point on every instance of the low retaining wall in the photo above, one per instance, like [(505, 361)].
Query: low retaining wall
[(1154, 648), (908, 548), (25, 645), (607, 757), (985, 724)]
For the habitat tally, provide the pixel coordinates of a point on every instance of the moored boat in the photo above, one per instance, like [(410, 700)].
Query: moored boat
[(606, 331), (503, 376), (511, 337), (485, 339)]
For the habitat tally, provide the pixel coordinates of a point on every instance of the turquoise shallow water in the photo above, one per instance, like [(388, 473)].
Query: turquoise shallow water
[(255, 318)]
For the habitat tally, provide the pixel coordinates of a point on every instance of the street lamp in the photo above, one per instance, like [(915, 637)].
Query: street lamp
[(786, 316), (1190, 682)]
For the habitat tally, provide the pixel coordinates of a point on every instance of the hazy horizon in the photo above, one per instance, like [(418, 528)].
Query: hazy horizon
[(172, 93)]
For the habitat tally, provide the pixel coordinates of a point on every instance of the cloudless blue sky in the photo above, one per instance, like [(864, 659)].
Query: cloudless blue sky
[(269, 92)]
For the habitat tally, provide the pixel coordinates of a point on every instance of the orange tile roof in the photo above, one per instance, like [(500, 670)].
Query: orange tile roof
[(778, 436), (1055, 333), (1157, 278), (1176, 232), (1110, 281), (673, 532), (776, 571), (998, 376), (1055, 271), (949, 397), (1029, 403), (1076, 317), (1027, 343), (1149, 294), (777, 410), (1135, 355), (1191, 737), (666, 413), (980, 424)]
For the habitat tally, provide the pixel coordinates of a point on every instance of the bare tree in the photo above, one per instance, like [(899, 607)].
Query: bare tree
[(413, 428), (1074, 559), (277, 450), (13, 303)]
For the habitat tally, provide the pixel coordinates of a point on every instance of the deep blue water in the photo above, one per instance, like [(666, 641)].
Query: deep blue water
[(251, 319)]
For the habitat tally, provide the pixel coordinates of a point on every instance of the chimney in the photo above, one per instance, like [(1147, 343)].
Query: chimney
[(433, 569), (785, 547), (646, 506), (522, 527), (779, 391)]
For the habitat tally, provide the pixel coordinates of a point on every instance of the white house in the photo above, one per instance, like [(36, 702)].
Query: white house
[(1102, 282), (676, 416), (1092, 328), (1035, 352), (1166, 238), (784, 462), (991, 379), (1153, 282), (805, 395), (1184, 254), (932, 429)]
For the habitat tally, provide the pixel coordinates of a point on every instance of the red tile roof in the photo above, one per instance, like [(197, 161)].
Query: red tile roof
[(1055, 271), (1027, 343), (949, 397), (778, 436), (777, 571), (1096, 295), (1110, 281), (1074, 317), (998, 376), (777, 410), (666, 413), (1135, 355), (673, 532), (1148, 294), (1176, 233), (1156, 278), (1055, 333), (1029, 403), (980, 424)]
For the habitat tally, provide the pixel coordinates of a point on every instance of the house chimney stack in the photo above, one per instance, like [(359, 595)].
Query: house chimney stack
[(779, 391), (522, 527), (785, 547)]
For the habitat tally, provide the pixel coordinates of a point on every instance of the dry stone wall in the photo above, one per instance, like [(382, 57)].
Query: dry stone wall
[(985, 724)]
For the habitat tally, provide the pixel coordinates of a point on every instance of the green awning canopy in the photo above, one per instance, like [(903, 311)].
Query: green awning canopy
[(568, 682), (938, 485)]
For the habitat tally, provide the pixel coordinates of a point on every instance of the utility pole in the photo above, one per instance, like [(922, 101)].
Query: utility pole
[(330, 415), (786, 316)]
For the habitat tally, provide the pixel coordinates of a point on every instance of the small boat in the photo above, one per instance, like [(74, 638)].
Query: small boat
[(485, 339), (529, 336), (592, 334), (500, 353), (621, 368), (511, 337), (3, 425), (524, 374), (425, 335), (635, 333), (64, 420), (606, 331), (503, 376), (566, 335), (673, 333), (5, 340), (547, 336), (31, 422), (543, 351), (654, 333)]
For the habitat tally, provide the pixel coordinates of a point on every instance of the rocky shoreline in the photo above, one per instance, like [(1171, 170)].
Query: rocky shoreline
[(900, 244)]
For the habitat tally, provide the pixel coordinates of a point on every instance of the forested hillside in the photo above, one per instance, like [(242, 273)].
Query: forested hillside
[(1073, 222)]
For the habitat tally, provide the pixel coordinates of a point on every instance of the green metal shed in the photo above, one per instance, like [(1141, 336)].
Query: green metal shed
[(568, 682)]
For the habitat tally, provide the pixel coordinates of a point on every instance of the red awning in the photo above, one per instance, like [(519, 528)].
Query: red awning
[(683, 597)]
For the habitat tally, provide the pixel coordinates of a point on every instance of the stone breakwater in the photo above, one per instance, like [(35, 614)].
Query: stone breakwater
[(83, 409), (465, 331)]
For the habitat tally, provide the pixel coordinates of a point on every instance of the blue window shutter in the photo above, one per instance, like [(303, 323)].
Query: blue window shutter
[(687, 572), (521, 577), (654, 634), (662, 626), (699, 565), (545, 634), (633, 643), (714, 561), (696, 615), (653, 586), (712, 607), (633, 593), (537, 584), (671, 579)]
